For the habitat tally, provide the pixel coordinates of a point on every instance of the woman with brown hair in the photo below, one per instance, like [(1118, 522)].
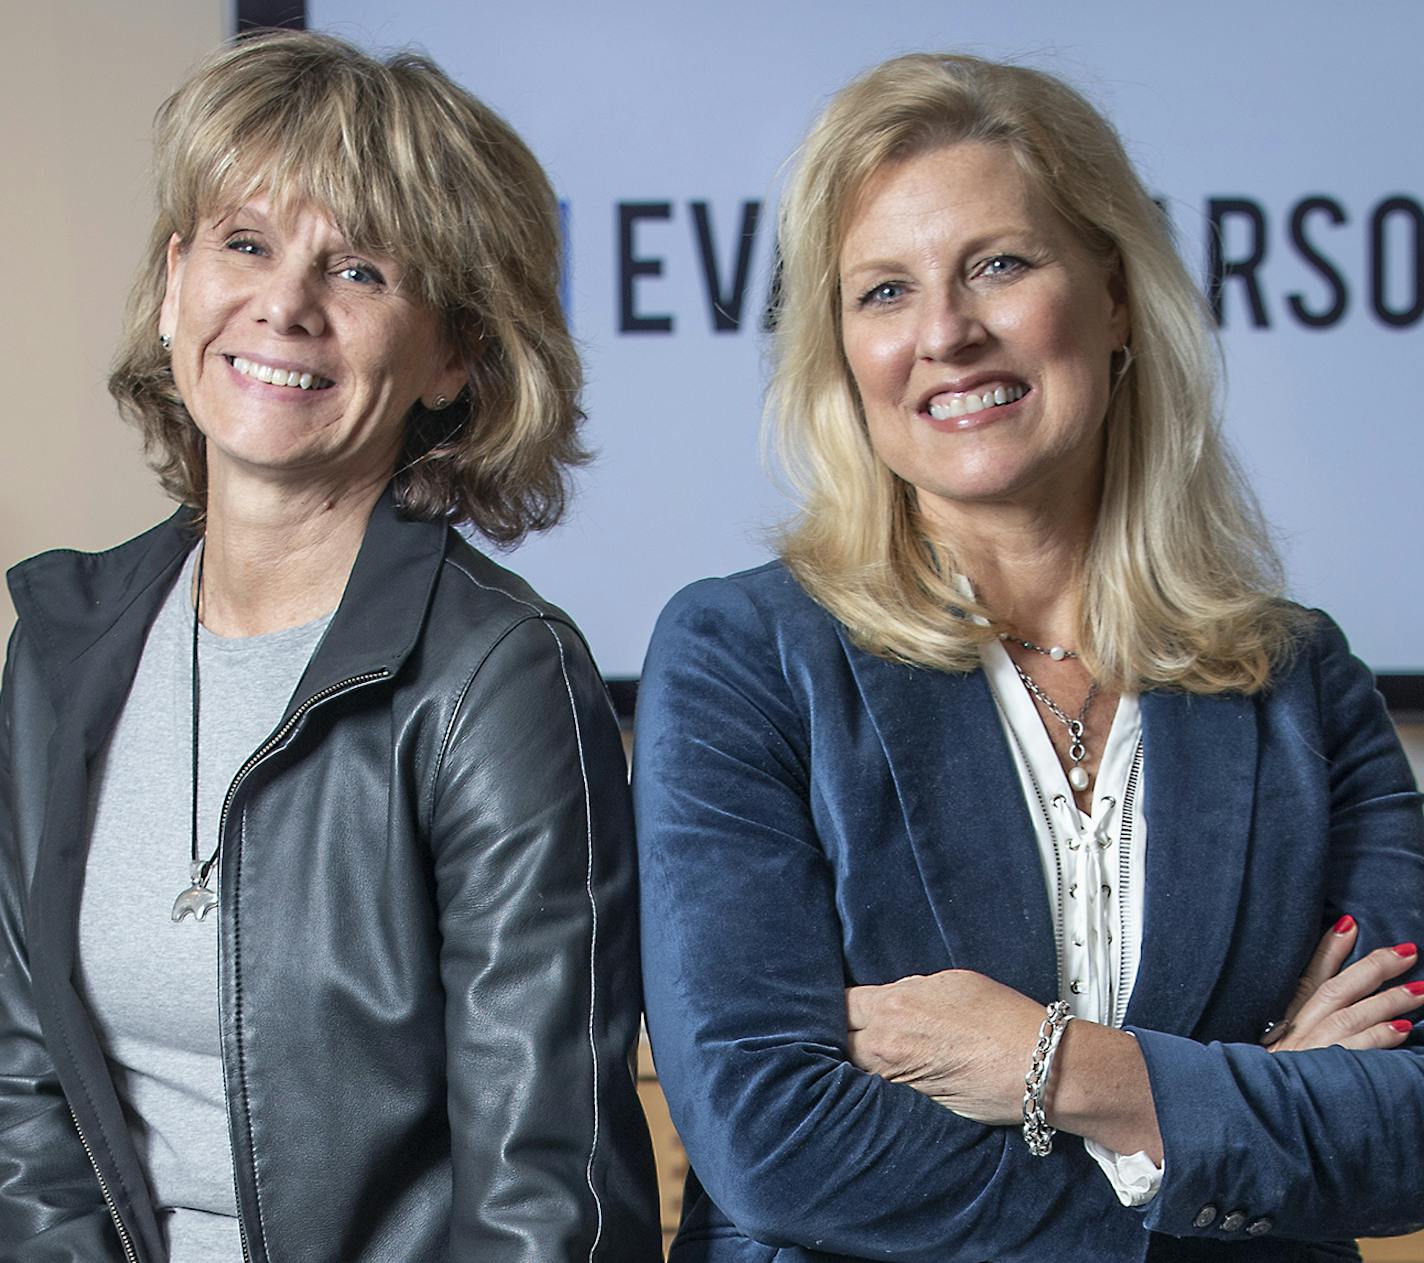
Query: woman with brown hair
[(1013, 799), (316, 926)]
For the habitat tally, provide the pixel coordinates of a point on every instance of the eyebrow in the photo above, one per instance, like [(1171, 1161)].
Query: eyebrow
[(342, 244), (1023, 235), (874, 265), (225, 218)]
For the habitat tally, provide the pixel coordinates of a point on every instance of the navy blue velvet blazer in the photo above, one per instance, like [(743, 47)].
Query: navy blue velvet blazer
[(811, 816)]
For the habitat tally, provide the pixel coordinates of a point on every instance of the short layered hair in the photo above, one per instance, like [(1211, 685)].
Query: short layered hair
[(409, 165), (1181, 582)]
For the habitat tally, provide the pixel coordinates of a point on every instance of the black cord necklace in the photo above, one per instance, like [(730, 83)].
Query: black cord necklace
[(197, 899)]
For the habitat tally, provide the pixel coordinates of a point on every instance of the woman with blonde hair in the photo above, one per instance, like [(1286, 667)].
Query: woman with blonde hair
[(1014, 800), (317, 936)]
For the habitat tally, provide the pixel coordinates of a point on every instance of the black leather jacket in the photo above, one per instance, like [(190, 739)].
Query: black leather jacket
[(427, 947)]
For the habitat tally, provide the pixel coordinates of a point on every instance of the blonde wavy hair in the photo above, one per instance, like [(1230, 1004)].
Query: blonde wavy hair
[(409, 165), (1181, 581)]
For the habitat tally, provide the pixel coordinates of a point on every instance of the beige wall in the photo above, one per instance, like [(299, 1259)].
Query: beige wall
[(80, 84)]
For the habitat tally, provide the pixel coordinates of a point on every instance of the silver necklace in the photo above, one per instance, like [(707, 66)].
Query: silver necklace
[(1056, 652), (198, 899), (1078, 776)]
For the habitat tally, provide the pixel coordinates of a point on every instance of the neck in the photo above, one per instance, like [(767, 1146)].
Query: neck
[(1026, 565), (277, 557)]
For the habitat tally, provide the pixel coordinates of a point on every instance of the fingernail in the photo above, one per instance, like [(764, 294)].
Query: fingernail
[(1403, 1025), (1414, 988), (1404, 949), (1345, 924)]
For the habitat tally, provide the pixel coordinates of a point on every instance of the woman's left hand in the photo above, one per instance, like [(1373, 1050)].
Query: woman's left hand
[(1350, 1005), (956, 1036)]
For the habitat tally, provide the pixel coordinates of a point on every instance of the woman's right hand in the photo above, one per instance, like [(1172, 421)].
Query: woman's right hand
[(1346, 1006)]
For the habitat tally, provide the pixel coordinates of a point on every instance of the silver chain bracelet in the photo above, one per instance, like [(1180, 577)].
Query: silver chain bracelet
[(1038, 1135)]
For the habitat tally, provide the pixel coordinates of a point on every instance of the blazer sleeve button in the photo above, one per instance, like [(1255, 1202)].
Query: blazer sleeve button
[(1259, 1227), (1233, 1221), (1206, 1216)]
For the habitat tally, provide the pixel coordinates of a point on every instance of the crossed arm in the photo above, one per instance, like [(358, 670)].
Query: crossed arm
[(963, 1040)]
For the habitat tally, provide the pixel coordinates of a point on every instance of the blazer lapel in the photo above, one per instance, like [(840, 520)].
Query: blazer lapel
[(967, 821), (1199, 766)]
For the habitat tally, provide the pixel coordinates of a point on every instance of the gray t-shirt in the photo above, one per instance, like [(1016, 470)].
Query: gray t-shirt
[(153, 984)]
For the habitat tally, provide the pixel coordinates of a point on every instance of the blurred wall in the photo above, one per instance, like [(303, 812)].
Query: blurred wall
[(666, 129), (81, 82)]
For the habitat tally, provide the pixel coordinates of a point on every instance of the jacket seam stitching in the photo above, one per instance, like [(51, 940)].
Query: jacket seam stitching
[(592, 944), (489, 587), (540, 615), (448, 735)]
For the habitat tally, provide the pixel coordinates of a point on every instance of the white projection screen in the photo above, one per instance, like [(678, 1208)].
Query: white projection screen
[(1284, 141)]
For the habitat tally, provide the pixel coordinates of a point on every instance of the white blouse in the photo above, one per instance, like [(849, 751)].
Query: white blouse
[(1093, 865)]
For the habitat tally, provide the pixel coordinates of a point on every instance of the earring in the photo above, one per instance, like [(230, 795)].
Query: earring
[(440, 402), (165, 341)]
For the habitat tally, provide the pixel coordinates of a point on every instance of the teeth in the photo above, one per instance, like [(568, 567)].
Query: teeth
[(965, 404), (279, 376)]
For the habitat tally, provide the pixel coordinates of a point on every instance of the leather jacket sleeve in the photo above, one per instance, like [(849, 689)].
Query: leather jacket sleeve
[(532, 841), (51, 1207)]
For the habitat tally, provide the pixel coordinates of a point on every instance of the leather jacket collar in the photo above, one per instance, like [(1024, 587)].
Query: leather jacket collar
[(89, 610)]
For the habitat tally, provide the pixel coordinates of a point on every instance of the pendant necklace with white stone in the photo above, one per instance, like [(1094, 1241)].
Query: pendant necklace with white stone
[(1056, 652), (1078, 776), (198, 899)]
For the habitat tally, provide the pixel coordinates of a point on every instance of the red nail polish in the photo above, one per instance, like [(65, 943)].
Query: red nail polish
[(1344, 925), (1403, 1025), (1414, 988), (1404, 949)]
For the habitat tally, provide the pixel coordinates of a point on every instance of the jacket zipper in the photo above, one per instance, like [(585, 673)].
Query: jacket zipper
[(124, 1240), (262, 751), (277, 737)]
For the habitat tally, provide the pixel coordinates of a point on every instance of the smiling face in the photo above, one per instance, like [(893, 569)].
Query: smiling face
[(297, 357), (979, 332)]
